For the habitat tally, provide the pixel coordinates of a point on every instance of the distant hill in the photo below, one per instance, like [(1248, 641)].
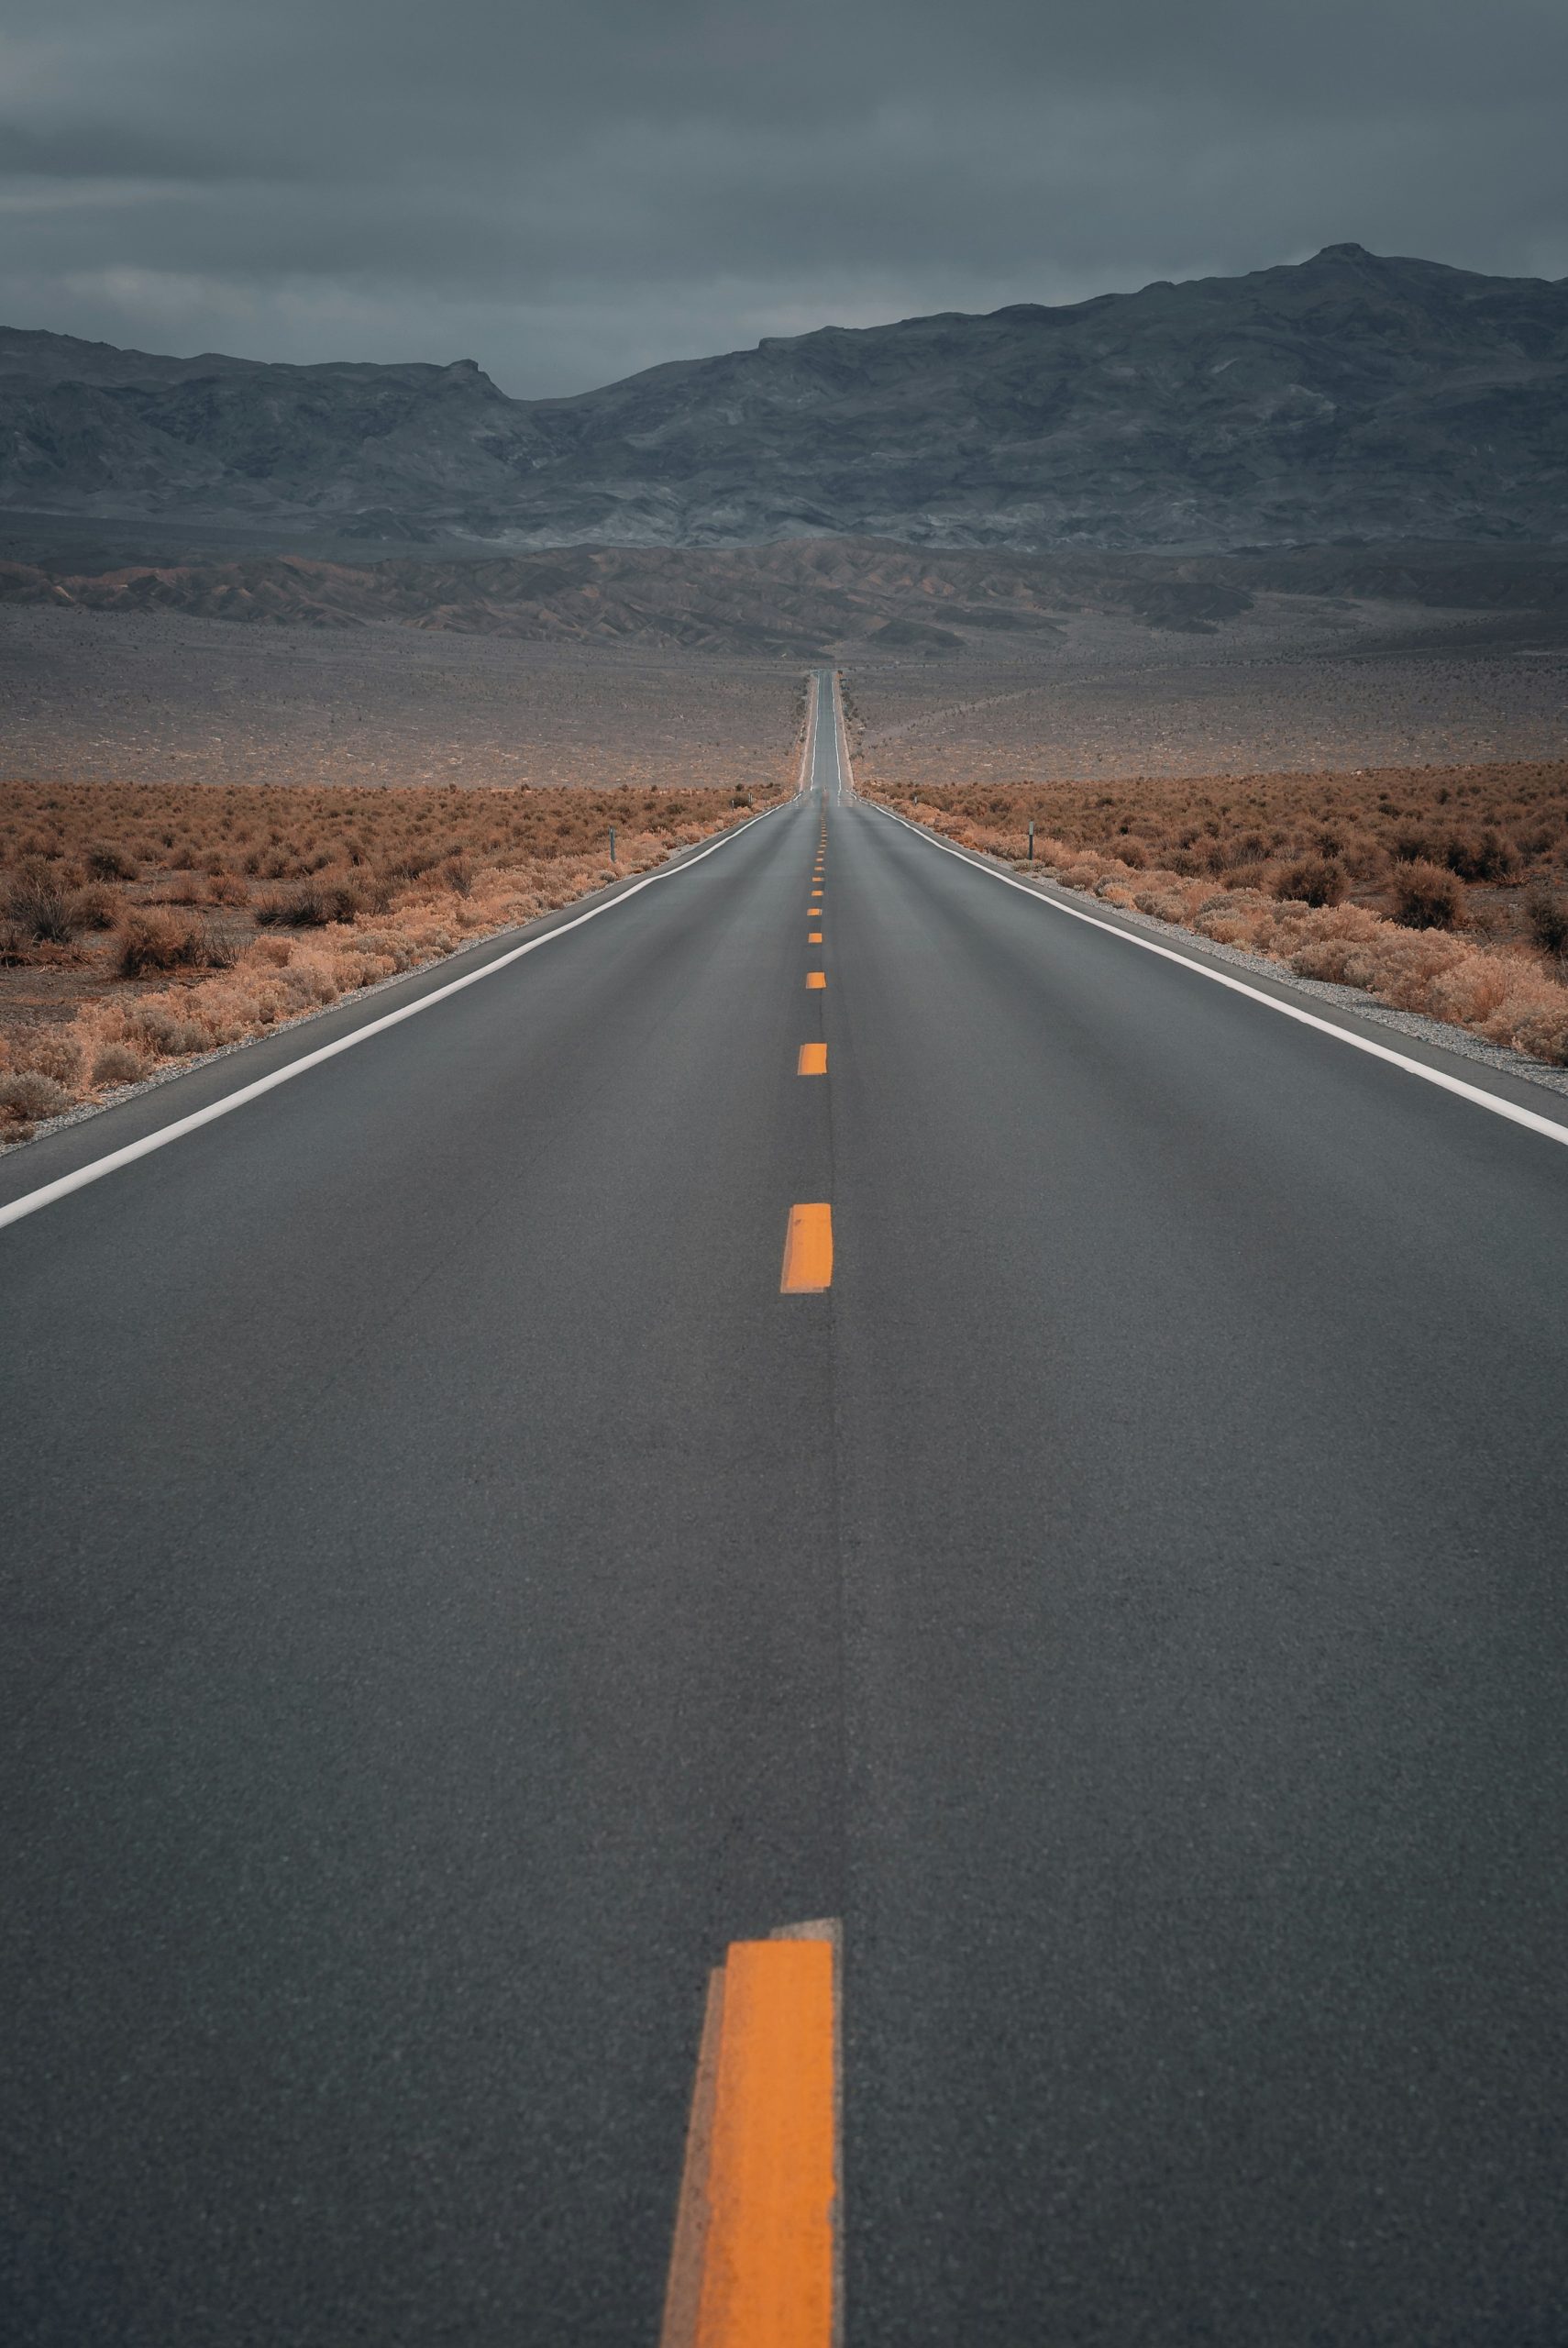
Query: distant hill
[(1348, 398)]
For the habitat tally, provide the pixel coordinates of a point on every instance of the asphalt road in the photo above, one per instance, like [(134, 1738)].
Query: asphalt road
[(450, 1593)]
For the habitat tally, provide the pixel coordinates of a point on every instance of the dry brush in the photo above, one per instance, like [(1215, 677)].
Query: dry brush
[(1439, 891), (141, 926)]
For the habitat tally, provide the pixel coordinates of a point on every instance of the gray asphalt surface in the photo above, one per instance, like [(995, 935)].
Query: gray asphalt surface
[(450, 1593)]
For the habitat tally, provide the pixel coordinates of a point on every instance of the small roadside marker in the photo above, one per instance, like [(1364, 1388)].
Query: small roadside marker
[(813, 1060), (807, 1251)]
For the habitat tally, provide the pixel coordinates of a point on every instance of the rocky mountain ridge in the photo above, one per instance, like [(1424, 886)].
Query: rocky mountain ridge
[(1347, 397)]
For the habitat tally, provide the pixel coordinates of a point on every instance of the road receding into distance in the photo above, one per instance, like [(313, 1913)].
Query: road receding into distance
[(828, 1390)]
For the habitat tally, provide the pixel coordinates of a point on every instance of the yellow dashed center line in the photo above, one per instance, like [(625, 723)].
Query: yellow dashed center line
[(813, 1060), (814, 938), (816, 978), (807, 1251)]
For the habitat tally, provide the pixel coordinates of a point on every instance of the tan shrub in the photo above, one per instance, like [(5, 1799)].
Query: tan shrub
[(1316, 880), (1546, 911), (1163, 898), (1427, 896), (1539, 1028), (36, 906), (26, 1094), (107, 861), (54, 1052), (117, 1064), (1486, 856), (150, 941), (97, 906), (163, 1030), (317, 903), (1470, 990)]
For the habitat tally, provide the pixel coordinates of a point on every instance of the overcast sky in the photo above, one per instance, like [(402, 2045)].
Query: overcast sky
[(567, 190)]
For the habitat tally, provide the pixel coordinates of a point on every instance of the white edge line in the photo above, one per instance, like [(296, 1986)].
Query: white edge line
[(1528, 1118), (95, 1171)]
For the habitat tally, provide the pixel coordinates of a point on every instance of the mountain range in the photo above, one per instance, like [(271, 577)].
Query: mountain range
[(1346, 398)]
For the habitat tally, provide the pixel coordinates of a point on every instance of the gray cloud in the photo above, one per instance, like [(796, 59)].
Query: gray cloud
[(576, 188)]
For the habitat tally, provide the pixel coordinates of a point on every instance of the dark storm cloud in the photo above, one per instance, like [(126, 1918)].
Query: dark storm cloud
[(566, 191)]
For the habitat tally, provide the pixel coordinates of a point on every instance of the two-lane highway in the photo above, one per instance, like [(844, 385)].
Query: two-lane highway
[(458, 1584)]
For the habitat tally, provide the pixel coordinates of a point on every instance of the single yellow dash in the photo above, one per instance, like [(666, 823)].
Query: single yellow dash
[(768, 2268), (814, 938), (755, 2261), (813, 1060), (808, 1252), (816, 978)]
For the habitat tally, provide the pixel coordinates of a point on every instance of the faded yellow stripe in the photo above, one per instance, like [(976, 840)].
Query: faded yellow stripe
[(683, 2292)]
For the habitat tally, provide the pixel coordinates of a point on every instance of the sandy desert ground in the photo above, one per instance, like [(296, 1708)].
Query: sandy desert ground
[(100, 697), (1274, 690), (1301, 683)]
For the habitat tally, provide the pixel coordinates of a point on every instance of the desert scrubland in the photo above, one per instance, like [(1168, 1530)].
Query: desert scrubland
[(1282, 688), (141, 925), (1438, 889)]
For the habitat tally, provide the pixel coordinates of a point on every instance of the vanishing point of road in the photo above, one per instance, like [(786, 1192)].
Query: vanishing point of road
[(1017, 1449)]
